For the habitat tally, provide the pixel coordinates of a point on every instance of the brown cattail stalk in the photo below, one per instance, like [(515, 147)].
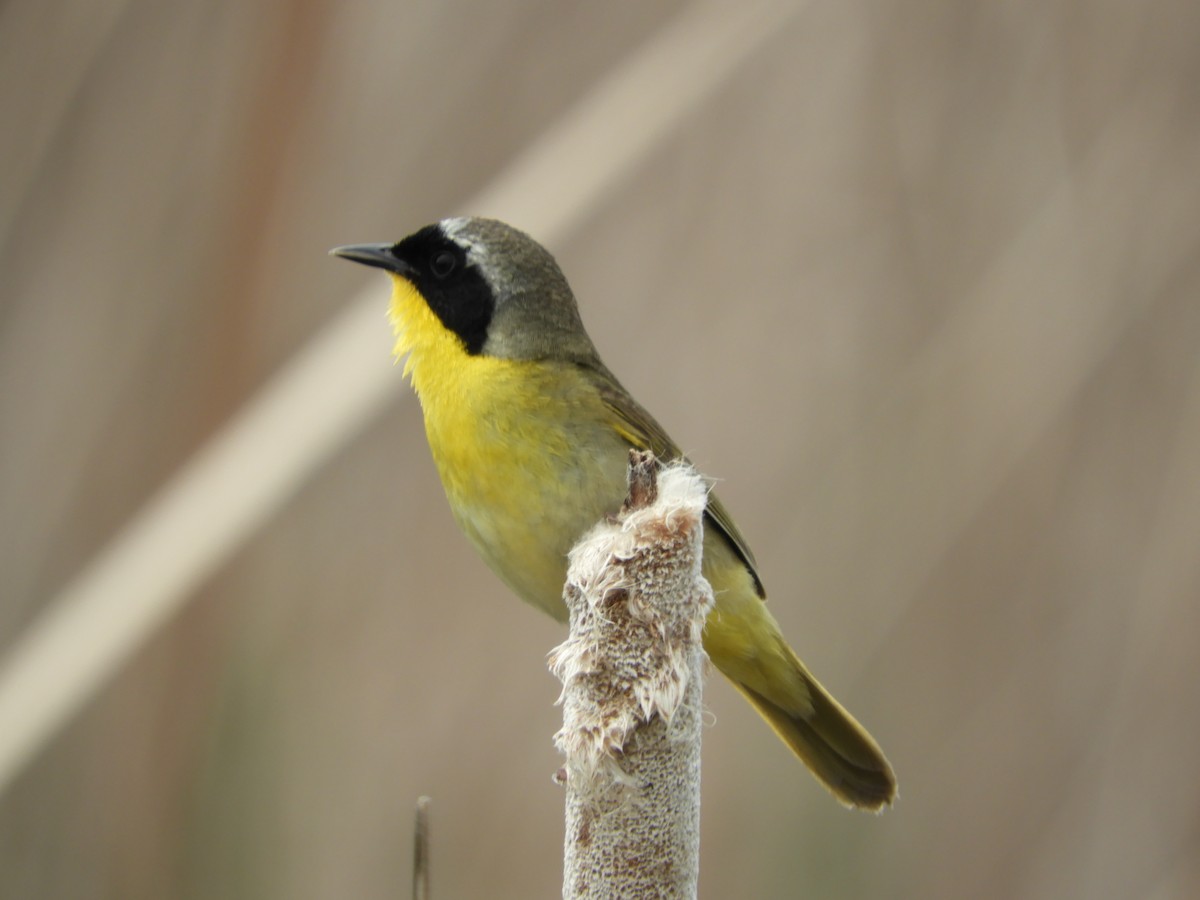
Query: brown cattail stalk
[(632, 670)]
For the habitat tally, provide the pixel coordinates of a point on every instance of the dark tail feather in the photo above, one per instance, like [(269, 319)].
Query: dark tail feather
[(836, 749)]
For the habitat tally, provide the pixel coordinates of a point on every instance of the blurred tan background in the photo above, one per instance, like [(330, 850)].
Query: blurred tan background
[(918, 281)]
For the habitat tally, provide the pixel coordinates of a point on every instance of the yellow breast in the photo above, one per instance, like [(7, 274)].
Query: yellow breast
[(525, 451)]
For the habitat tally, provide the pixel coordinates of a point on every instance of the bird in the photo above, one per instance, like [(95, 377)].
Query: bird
[(530, 434)]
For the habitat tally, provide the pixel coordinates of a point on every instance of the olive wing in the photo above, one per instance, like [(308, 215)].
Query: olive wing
[(642, 432)]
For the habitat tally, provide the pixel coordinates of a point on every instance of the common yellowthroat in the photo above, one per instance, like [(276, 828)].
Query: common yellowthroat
[(531, 434)]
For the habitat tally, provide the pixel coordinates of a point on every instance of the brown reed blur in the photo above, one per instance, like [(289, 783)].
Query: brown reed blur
[(920, 284)]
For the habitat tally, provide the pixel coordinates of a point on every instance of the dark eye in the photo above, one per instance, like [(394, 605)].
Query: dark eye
[(443, 263)]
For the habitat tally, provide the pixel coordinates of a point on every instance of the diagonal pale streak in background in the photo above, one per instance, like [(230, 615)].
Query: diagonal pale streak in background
[(339, 382)]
